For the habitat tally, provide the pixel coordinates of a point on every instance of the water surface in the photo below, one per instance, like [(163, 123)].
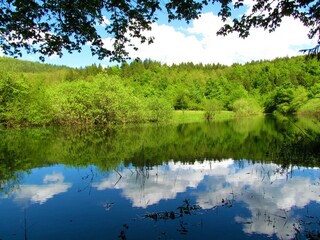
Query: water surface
[(253, 178)]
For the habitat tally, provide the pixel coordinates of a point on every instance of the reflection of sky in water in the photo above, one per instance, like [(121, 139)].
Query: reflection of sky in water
[(271, 196), (270, 193), (147, 187), (53, 184)]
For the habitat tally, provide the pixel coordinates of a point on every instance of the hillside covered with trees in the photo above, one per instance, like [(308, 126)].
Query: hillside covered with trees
[(141, 91)]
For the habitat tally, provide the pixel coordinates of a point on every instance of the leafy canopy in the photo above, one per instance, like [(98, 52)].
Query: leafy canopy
[(48, 26)]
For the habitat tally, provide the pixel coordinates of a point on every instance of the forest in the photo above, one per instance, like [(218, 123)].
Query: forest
[(37, 94)]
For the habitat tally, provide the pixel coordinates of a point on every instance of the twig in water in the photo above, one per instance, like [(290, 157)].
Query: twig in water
[(120, 176), (25, 225)]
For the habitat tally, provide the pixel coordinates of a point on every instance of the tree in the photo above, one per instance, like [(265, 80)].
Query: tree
[(281, 101), (212, 106), (269, 14), (47, 26)]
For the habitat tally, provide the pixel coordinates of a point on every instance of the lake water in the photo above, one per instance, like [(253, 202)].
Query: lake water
[(255, 178)]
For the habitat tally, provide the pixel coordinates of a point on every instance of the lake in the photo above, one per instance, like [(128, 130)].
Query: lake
[(254, 178)]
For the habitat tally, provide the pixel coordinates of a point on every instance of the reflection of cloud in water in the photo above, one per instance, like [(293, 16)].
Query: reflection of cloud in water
[(268, 194), (53, 185), (55, 177), (263, 180), (146, 187)]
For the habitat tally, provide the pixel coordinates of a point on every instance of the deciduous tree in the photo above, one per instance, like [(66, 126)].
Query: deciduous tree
[(48, 27)]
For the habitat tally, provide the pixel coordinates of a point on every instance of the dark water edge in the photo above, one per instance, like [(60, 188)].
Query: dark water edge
[(282, 141), (255, 178)]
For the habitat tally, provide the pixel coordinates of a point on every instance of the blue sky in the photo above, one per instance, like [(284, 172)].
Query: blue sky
[(197, 42)]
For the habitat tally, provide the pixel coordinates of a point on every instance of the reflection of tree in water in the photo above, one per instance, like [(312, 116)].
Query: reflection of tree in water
[(265, 139), (11, 183), (12, 170)]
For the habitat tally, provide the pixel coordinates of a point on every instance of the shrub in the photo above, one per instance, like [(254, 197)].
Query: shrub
[(281, 101), (246, 107), (14, 93), (212, 106), (159, 109), (311, 107), (105, 100)]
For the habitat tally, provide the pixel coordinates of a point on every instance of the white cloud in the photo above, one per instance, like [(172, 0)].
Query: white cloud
[(199, 43), (54, 56), (105, 21)]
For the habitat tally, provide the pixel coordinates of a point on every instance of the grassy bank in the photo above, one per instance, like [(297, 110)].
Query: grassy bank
[(180, 116)]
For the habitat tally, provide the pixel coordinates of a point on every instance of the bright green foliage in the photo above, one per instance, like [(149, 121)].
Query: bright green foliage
[(286, 100), (246, 107), (159, 109), (76, 102), (23, 103), (148, 91), (39, 106), (281, 101), (182, 100), (103, 100), (300, 97), (14, 92), (315, 90), (188, 86), (311, 107), (212, 107)]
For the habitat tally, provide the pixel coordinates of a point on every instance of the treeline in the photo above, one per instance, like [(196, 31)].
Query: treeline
[(43, 94), (51, 74), (284, 85)]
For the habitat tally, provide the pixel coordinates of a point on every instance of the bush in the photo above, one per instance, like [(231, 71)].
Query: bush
[(311, 107), (14, 94), (212, 106), (281, 101), (159, 109), (103, 100), (106, 100), (246, 107), (39, 110)]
